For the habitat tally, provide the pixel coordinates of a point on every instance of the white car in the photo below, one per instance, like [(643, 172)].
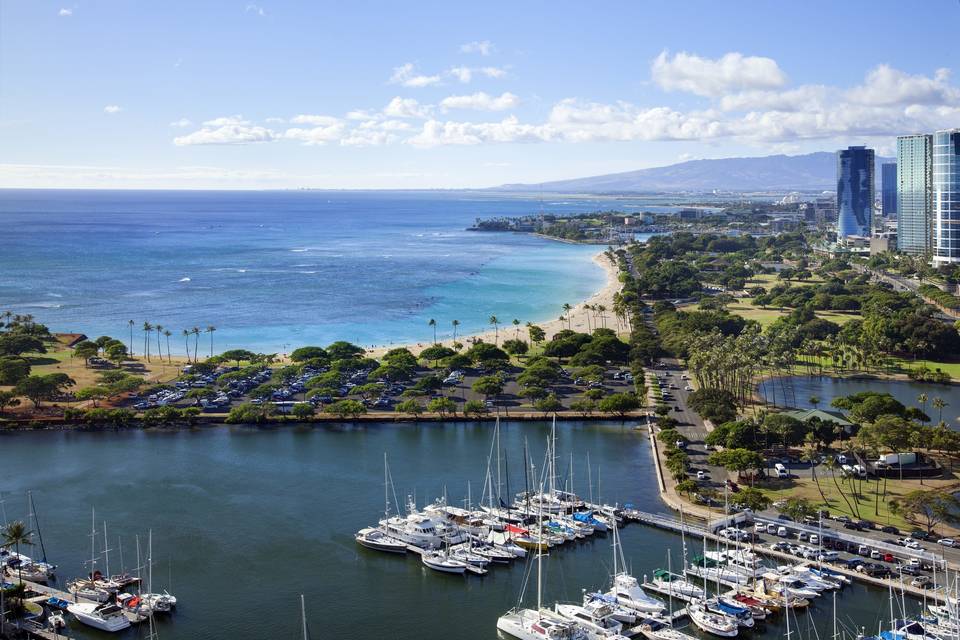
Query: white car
[(947, 542), (912, 544), (701, 475)]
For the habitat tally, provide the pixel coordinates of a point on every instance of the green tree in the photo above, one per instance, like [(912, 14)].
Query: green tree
[(548, 404), (688, 486), (584, 407), (86, 350), (455, 323), (442, 407), (516, 347), (939, 404), (303, 410), (91, 393), (8, 399), (739, 460), (249, 413), (496, 329), (16, 534), (619, 403), (474, 408), (797, 508), (927, 508), (488, 386), (537, 334), (751, 498), (410, 407), (433, 323), (38, 388), (13, 370), (16, 344), (346, 408)]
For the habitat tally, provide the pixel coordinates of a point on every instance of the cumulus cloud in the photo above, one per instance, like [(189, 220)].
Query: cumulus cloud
[(255, 9), (885, 85), (320, 121), (65, 13), (407, 108), (227, 121), (406, 76), (483, 47), (706, 77), (481, 102), (318, 135), (436, 133), (112, 108), (465, 74), (228, 134), (181, 123)]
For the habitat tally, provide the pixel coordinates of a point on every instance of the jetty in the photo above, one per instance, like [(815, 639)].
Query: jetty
[(48, 592)]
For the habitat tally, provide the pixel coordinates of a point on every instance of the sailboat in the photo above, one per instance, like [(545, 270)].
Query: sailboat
[(375, 537), (87, 587), (539, 623), (626, 589), (711, 623), (157, 602)]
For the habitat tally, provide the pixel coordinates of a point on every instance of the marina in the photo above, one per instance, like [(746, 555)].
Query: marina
[(332, 489)]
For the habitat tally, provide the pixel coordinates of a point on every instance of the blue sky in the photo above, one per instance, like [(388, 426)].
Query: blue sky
[(273, 94)]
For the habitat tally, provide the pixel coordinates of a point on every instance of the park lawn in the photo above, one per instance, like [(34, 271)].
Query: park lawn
[(769, 280), (766, 316), (866, 502), (899, 366), (59, 359)]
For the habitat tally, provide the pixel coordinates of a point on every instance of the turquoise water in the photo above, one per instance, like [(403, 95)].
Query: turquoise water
[(276, 269), (245, 520), (799, 389)]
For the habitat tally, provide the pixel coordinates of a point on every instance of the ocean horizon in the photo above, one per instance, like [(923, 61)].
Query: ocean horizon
[(273, 270)]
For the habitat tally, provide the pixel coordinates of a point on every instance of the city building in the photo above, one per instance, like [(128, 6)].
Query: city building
[(855, 192), (914, 194), (883, 242), (825, 210), (888, 189), (946, 196)]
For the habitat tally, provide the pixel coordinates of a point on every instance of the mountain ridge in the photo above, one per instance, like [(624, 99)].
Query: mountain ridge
[(807, 172)]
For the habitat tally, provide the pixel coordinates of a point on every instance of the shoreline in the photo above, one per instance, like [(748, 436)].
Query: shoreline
[(580, 319)]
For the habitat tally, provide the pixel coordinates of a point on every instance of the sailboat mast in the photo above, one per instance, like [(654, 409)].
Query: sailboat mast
[(386, 487), (93, 541), (589, 478), (36, 523), (303, 616), (106, 550), (496, 435)]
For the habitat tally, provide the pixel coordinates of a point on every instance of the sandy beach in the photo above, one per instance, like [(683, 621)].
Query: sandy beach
[(580, 318)]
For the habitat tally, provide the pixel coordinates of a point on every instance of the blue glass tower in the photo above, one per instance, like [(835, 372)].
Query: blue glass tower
[(888, 189), (914, 194), (946, 196), (855, 192)]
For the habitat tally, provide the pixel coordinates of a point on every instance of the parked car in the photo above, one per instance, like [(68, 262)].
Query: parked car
[(890, 529), (947, 542), (828, 556), (918, 534), (921, 582)]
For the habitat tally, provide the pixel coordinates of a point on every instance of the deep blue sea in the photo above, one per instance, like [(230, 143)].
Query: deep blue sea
[(274, 270)]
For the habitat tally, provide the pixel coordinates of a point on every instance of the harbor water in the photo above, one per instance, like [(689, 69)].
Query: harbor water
[(244, 520)]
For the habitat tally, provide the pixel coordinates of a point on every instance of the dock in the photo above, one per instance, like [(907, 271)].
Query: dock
[(35, 630), (134, 618)]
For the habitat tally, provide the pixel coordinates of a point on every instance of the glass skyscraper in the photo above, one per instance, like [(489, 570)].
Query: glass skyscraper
[(888, 189), (855, 192), (914, 194), (946, 196)]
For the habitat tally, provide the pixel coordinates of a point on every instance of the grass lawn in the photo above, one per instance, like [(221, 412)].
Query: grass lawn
[(769, 280), (745, 308), (60, 359), (869, 506)]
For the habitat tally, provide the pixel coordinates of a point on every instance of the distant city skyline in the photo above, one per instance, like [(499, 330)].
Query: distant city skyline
[(371, 95)]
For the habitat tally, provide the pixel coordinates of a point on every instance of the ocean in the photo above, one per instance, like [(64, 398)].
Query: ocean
[(274, 270)]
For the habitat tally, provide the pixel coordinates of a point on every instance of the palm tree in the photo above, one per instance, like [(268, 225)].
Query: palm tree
[(159, 329), (14, 535), (496, 329), (210, 330), (516, 326), (166, 332), (922, 399), (601, 309), (814, 400), (433, 323), (566, 310), (938, 403), (196, 343), (186, 342), (456, 323), (147, 328), (131, 323)]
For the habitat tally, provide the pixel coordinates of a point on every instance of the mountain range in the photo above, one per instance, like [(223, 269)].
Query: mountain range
[(808, 172)]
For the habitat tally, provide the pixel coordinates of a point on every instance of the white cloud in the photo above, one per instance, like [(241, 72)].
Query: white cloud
[(64, 13), (405, 75), (181, 123), (481, 102), (274, 120), (227, 121), (255, 9), (802, 98), (436, 133), (112, 108), (885, 85), (226, 134), (483, 47), (493, 72), (406, 108), (463, 74), (706, 77), (318, 135), (319, 121)]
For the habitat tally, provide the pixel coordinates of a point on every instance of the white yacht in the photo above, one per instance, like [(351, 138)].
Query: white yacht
[(87, 589), (710, 622), (627, 592), (542, 624), (675, 584), (440, 561), (105, 617), (418, 530), (374, 538), (597, 622)]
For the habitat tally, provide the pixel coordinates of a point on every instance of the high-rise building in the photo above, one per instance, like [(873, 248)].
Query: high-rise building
[(914, 194), (888, 189), (855, 192), (946, 196)]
